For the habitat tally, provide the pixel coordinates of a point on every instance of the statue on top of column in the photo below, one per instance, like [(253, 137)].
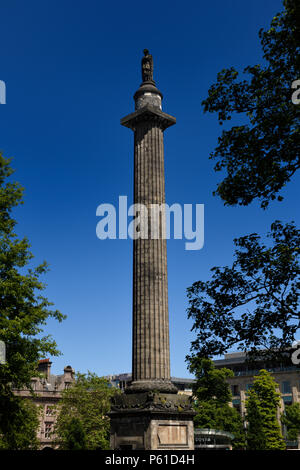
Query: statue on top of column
[(147, 66)]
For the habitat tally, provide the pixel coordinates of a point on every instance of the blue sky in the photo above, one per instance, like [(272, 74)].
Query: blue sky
[(71, 69)]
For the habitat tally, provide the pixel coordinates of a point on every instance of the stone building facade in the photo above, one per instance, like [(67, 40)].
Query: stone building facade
[(287, 378), (48, 390)]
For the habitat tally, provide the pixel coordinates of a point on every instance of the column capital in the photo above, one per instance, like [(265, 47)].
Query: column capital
[(148, 113)]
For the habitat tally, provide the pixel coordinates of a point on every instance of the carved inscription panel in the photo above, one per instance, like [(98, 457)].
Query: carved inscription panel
[(174, 434)]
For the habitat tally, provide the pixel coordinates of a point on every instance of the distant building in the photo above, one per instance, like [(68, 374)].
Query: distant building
[(48, 393), (287, 377)]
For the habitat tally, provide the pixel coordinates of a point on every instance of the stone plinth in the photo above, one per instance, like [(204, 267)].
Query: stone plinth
[(152, 421)]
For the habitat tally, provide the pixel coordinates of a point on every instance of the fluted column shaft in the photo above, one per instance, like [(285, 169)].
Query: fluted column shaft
[(151, 357)]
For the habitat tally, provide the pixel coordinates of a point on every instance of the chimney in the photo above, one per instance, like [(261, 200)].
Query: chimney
[(69, 374), (44, 367)]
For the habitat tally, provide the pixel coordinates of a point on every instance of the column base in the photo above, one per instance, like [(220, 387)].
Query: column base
[(152, 420), (140, 386)]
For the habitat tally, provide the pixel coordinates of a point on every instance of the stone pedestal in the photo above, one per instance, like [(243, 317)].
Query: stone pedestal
[(152, 421)]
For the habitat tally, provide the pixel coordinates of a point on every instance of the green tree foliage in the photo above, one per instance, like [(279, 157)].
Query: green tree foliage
[(213, 395), (87, 400), (23, 310), (261, 154), (262, 404), (74, 436), (21, 425), (291, 419), (254, 303), (211, 383)]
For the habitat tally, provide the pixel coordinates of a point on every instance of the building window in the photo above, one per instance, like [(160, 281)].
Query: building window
[(49, 410), (238, 408), (287, 400), (235, 390), (286, 387), (48, 430), (236, 403), (248, 387)]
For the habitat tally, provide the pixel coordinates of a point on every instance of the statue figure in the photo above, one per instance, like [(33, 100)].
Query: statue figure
[(147, 66)]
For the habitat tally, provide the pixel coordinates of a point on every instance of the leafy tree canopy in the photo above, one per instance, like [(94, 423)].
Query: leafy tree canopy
[(210, 382), (291, 418), (74, 435), (23, 310), (254, 303), (213, 395), (88, 402), (262, 404), (19, 425), (260, 155)]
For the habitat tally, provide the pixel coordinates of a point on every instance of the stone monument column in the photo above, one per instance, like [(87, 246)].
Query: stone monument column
[(150, 414), (150, 349)]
